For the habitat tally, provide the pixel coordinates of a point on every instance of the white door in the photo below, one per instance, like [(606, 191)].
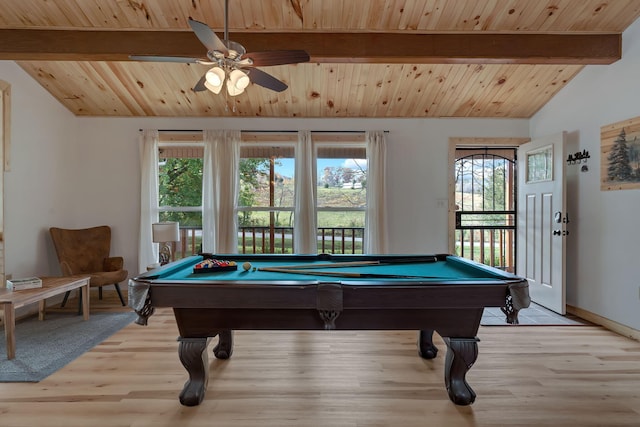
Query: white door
[(542, 220)]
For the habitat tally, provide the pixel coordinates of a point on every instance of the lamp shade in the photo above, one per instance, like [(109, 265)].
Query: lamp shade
[(166, 232), (214, 79), (237, 82), (239, 79)]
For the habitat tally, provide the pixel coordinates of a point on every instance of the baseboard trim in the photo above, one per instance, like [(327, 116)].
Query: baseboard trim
[(604, 322)]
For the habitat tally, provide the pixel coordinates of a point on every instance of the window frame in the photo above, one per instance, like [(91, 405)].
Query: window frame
[(189, 234), (182, 145), (318, 147), (288, 139)]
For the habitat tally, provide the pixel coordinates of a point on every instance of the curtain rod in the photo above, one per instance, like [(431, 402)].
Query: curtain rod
[(268, 131)]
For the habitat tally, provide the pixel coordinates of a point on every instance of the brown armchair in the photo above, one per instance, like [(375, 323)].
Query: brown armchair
[(86, 251)]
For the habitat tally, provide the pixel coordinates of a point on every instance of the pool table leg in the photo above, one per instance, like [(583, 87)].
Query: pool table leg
[(193, 355), (461, 355), (426, 348), (224, 348)]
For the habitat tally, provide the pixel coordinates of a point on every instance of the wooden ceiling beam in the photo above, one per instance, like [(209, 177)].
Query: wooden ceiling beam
[(381, 48)]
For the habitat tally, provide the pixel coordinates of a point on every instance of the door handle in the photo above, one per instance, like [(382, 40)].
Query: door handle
[(557, 217)]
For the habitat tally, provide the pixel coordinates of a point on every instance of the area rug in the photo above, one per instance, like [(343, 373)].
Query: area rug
[(43, 347), (531, 316)]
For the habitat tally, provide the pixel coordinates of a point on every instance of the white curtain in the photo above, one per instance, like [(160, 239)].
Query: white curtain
[(208, 185), (220, 191), (305, 239), (227, 165), (147, 250), (375, 231)]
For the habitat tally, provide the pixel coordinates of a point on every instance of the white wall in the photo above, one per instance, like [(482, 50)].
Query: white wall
[(604, 245), (41, 177)]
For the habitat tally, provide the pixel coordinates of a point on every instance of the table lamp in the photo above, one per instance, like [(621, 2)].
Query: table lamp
[(165, 233)]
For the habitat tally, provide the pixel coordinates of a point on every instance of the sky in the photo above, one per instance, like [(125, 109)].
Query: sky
[(287, 167)]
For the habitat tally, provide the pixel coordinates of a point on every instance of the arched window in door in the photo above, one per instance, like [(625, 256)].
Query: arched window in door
[(485, 206)]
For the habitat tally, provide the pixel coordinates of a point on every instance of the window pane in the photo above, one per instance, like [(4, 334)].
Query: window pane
[(190, 232), (180, 187), (180, 196), (342, 182), (263, 218), (258, 189), (180, 182), (341, 218), (340, 232), (266, 199), (266, 239), (540, 165), (185, 219)]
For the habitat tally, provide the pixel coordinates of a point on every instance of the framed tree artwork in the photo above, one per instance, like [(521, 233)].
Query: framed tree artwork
[(620, 155)]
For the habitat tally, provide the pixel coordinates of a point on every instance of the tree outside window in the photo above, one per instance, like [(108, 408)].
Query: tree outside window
[(180, 195)]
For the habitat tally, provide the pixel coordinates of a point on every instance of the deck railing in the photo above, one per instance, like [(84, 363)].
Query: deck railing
[(488, 237), (258, 239)]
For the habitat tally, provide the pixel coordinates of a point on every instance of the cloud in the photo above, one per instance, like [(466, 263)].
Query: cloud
[(355, 164)]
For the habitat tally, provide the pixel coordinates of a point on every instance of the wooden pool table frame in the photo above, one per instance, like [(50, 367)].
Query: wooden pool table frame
[(208, 308)]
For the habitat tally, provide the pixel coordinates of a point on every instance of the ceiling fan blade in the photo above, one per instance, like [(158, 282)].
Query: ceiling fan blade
[(199, 87), (207, 36), (277, 57), (154, 58), (266, 80)]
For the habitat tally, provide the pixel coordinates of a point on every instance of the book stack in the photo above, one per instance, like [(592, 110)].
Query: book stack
[(26, 283)]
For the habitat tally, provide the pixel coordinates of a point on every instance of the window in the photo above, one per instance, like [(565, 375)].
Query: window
[(341, 198), (266, 202), (485, 211), (266, 198), (180, 193), (540, 165)]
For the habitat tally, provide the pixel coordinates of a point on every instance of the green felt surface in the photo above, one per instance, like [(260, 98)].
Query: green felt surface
[(423, 271)]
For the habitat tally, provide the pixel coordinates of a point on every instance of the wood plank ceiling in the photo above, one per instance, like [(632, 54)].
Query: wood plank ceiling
[(369, 58)]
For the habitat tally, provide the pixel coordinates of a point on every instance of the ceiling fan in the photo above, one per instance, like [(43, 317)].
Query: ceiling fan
[(231, 62)]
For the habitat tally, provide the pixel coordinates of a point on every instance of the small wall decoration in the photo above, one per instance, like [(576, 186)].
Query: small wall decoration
[(620, 155), (577, 157)]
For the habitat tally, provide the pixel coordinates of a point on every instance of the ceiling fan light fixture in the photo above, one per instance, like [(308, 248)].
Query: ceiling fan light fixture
[(212, 88), (237, 82), (239, 79), (226, 57), (215, 76), (232, 90)]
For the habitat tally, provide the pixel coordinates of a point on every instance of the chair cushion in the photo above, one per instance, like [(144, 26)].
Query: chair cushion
[(107, 277)]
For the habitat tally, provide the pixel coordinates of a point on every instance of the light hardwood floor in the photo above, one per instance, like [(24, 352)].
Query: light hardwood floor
[(524, 376)]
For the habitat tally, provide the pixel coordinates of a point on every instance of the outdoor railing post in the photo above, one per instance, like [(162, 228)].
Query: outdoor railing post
[(190, 236)]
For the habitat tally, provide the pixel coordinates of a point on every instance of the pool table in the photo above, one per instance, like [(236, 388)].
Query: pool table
[(426, 293)]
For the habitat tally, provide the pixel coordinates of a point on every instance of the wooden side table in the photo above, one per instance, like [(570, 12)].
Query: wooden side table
[(51, 286)]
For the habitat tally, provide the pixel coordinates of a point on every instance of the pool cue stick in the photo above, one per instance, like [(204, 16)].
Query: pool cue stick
[(331, 265), (428, 258), (345, 274)]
